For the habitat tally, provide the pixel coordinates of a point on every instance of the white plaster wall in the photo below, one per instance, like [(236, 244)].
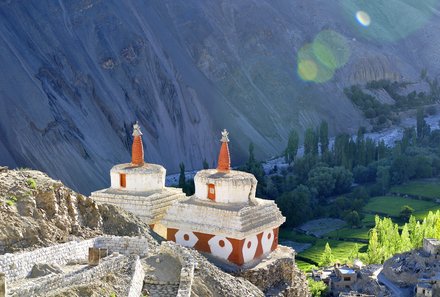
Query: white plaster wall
[(225, 192), (267, 240), (220, 251), (249, 248), (190, 242), (139, 181)]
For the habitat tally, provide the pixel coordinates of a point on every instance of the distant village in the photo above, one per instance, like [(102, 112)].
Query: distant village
[(350, 280)]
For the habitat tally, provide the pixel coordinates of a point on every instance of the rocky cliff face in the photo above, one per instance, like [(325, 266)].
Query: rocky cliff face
[(76, 74), (37, 211)]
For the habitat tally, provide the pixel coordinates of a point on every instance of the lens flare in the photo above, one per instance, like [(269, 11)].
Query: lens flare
[(331, 49), (307, 70), (310, 68), (363, 18), (388, 20)]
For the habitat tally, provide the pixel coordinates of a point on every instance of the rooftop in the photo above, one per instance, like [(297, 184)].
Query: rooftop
[(433, 241), (146, 168), (230, 175), (346, 270)]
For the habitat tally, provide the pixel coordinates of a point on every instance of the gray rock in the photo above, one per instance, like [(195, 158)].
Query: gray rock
[(40, 270)]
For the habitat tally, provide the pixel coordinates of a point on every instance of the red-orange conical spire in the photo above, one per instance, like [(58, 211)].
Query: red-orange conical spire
[(137, 149), (224, 160)]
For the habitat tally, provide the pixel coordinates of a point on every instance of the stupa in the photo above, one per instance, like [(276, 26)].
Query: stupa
[(139, 187), (223, 217)]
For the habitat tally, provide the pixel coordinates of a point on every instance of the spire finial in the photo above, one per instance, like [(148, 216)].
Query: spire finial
[(224, 160), (137, 129), (225, 135), (137, 149)]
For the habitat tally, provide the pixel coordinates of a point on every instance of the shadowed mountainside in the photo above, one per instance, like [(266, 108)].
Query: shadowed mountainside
[(77, 74)]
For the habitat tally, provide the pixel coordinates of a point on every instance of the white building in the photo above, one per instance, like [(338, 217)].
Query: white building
[(431, 246)]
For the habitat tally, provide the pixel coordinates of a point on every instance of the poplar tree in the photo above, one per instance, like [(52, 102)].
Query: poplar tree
[(292, 147), (374, 254), (310, 142), (323, 137), (405, 240), (327, 256)]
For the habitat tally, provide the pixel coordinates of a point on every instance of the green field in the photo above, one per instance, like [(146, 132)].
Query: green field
[(296, 236), (392, 205), (340, 249), (350, 233), (304, 266), (368, 220), (420, 188), (386, 205)]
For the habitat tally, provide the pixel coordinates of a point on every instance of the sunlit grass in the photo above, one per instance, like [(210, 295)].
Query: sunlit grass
[(392, 206), (419, 188)]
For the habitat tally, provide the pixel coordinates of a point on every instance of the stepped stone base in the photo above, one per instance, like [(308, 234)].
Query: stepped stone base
[(236, 232), (224, 219), (148, 206)]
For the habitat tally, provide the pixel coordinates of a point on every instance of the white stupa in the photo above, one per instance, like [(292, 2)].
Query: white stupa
[(139, 187), (223, 217)]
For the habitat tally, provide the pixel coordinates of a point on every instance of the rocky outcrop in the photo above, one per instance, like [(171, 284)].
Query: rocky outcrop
[(38, 211), (407, 268), (278, 275)]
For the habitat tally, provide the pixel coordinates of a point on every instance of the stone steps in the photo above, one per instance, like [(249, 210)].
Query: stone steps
[(156, 290)]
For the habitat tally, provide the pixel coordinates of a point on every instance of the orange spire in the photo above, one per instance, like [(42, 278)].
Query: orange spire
[(224, 160), (137, 149)]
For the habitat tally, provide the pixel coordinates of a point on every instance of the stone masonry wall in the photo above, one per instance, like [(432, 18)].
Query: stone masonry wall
[(16, 266), (52, 282), (188, 265), (137, 280), (124, 245)]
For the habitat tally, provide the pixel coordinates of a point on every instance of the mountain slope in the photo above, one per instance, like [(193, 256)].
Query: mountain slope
[(77, 74)]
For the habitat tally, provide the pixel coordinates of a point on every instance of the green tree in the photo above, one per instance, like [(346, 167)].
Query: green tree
[(383, 178), (327, 256), (422, 127), (292, 147), (323, 180), (256, 168), (182, 178), (296, 205), (303, 166), (360, 148), (323, 137), (343, 180), (310, 142), (405, 213), (341, 148), (370, 151), (317, 288), (405, 240), (374, 253), (354, 253), (205, 164), (402, 169), (381, 150), (353, 218)]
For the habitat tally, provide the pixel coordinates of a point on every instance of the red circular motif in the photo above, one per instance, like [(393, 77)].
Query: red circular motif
[(186, 237)]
